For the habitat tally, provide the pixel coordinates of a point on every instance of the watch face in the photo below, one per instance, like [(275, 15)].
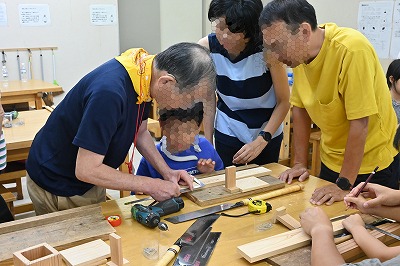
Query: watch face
[(266, 136), (343, 183)]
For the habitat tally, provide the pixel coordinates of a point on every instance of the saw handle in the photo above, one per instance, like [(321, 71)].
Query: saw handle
[(169, 255), (276, 193)]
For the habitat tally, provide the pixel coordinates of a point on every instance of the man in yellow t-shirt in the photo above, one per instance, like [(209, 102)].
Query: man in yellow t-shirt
[(340, 86)]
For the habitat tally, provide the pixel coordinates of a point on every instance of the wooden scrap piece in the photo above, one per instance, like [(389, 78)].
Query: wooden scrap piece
[(285, 218), (220, 179), (250, 183), (40, 255), (117, 258), (277, 244), (59, 229), (85, 254), (230, 179)]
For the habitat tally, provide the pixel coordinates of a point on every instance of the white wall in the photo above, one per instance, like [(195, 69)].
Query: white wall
[(81, 45), (180, 21)]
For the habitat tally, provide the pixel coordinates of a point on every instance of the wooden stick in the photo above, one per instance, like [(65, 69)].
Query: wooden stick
[(276, 193)]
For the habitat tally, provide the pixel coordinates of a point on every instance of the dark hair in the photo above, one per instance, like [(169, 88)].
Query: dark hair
[(241, 16), (189, 63), (396, 141), (292, 12), (194, 113), (393, 70)]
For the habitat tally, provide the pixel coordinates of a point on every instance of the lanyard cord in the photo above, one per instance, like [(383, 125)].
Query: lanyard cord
[(139, 116)]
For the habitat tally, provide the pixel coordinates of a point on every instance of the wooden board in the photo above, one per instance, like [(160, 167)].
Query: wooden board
[(217, 194), (59, 230), (219, 179), (250, 183), (87, 253), (277, 244), (302, 256)]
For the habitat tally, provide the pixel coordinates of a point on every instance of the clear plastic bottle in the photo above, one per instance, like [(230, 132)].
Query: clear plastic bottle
[(4, 72), (24, 73)]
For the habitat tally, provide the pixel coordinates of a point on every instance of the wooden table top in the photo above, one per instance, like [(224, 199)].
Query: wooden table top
[(18, 137), (17, 87), (235, 231)]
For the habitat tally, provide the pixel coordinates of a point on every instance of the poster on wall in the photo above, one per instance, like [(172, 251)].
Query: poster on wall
[(395, 45), (3, 14), (101, 15), (34, 15), (375, 22)]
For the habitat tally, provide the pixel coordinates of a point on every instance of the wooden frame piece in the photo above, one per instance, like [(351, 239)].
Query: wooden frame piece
[(91, 253), (116, 251), (40, 255), (285, 218), (230, 179)]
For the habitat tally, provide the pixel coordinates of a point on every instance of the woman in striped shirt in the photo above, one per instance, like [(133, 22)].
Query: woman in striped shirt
[(253, 99)]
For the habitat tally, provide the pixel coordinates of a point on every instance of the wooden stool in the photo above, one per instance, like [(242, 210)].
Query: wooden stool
[(8, 197), (14, 177), (315, 139)]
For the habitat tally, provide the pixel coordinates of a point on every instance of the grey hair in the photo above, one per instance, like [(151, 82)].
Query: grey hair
[(189, 63)]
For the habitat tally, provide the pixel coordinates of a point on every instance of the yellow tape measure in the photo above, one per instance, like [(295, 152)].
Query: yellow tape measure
[(259, 205)]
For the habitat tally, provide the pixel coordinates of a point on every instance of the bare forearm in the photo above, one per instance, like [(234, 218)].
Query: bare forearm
[(354, 149), (385, 211), (324, 251), (209, 116), (371, 246), (301, 133)]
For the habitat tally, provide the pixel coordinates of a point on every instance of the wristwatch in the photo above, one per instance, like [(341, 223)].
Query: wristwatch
[(343, 183), (265, 135)]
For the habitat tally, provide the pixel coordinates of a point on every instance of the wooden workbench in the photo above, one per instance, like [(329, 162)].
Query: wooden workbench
[(16, 91), (19, 140), (235, 231)]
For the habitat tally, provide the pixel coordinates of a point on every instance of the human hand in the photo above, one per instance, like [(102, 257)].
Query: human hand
[(298, 170), (180, 177), (315, 220), (352, 202), (161, 190), (327, 194), (249, 151), (352, 222), (380, 195), (206, 166)]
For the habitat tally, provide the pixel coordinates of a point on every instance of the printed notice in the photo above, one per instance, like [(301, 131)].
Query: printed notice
[(375, 22), (395, 45), (3, 14), (101, 15), (34, 15)]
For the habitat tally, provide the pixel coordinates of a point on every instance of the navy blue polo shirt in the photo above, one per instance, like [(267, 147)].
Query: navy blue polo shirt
[(98, 114)]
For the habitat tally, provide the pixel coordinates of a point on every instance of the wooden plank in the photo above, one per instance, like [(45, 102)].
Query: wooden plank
[(220, 179), (87, 253), (302, 256), (250, 183), (217, 194), (59, 229), (274, 245)]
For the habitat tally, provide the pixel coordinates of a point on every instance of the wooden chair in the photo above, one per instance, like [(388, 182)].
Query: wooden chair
[(315, 139)]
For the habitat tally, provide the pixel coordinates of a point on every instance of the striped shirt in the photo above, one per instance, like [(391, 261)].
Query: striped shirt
[(3, 152), (246, 96)]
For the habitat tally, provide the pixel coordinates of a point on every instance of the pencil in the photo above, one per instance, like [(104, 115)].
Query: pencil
[(365, 183)]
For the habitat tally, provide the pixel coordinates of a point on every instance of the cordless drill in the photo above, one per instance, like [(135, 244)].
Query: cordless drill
[(150, 215)]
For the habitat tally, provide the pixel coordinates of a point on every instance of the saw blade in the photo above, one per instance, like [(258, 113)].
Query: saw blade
[(203, 212)]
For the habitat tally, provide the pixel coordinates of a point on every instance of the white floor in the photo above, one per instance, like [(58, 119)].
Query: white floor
[(113, 193)]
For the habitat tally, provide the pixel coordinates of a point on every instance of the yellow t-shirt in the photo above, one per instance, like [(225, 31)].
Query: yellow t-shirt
[(346, 82)]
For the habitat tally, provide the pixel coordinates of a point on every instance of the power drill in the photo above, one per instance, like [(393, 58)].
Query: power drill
[(150, 215)]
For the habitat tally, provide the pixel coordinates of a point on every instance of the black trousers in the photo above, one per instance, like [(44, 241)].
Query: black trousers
[(388, 177), (270, 154), (5, 214)]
